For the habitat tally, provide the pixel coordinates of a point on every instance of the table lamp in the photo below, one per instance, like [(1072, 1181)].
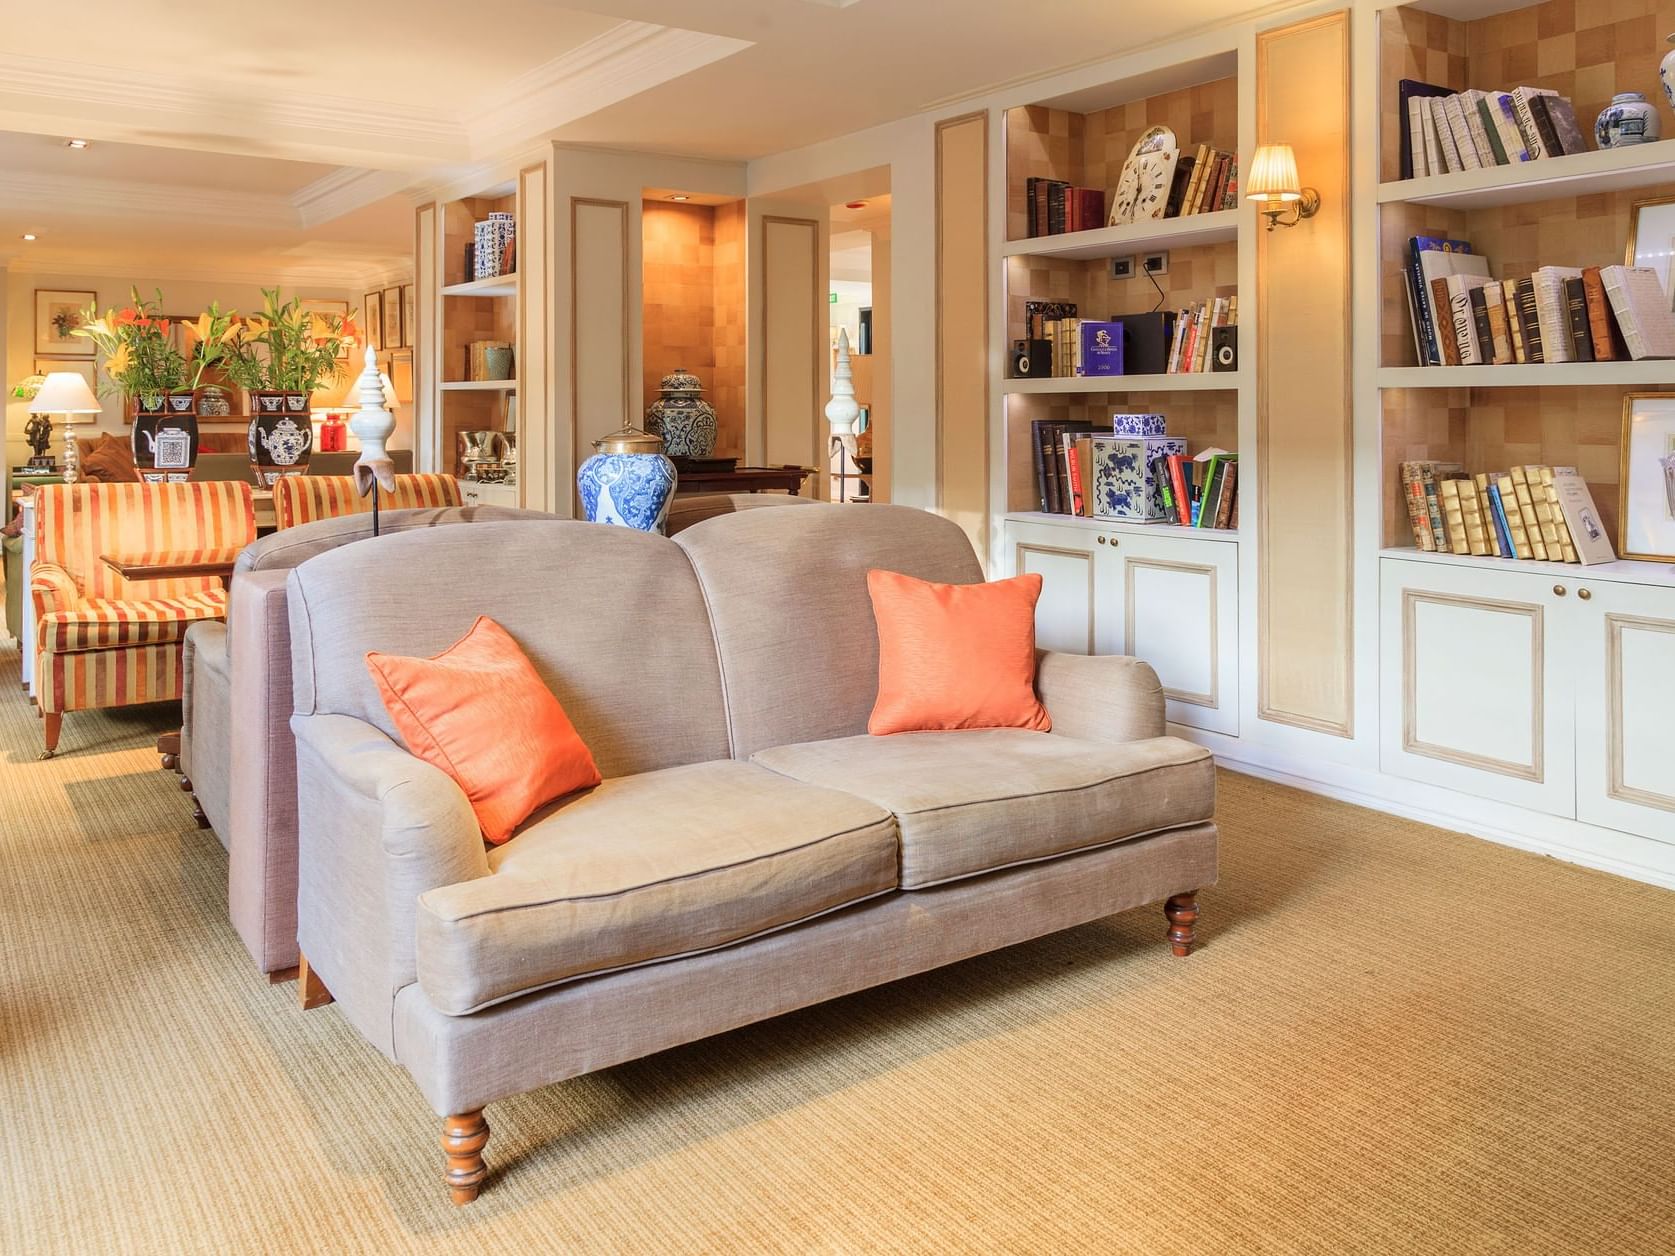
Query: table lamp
[(66, 393)]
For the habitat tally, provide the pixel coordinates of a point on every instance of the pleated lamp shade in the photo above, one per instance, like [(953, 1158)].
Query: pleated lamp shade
[(1273, 175)]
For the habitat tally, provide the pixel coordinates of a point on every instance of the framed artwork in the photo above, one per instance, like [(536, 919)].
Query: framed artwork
[(409, 316), (1646, 485), (320, 310), (57, 314), (372, 318), (1651, 238), (395, 332), (401, 375), (81, 366)]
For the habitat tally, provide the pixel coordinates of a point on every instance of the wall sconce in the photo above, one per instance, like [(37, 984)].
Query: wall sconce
[(1275, 187)]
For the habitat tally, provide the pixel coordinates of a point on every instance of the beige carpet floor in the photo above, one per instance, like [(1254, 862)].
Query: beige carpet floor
[(1394, 1039)]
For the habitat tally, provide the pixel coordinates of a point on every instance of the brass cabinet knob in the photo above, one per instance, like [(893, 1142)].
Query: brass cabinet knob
[(1584, 594), (1101, 540), (1558, 590), (1113, 542)]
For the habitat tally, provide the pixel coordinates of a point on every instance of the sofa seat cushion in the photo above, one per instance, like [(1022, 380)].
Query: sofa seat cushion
[(649, 867), (974, 800), (105, 623)]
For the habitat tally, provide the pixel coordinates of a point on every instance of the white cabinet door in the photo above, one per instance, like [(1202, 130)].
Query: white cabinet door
[(1476, 673), (1064, 558), (1625, 707), (1179, 611)]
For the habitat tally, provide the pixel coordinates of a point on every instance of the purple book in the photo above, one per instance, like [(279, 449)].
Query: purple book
[(1101, 348)]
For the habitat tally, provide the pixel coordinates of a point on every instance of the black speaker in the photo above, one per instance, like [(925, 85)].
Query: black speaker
[(1145, 341), (1030, 359), (1224, 348)]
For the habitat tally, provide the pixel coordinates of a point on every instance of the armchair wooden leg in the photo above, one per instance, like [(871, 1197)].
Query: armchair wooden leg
[(311, 991), (1182, 910), (463, 1139), (168, 746), (54, 721)]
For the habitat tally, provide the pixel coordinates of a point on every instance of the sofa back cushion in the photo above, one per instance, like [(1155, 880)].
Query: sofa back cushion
[(787, 594), (76, 524), (612, 619), (292, 547), (299, 499)]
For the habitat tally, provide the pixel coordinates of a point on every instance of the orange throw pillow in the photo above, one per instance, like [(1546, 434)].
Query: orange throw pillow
[(955, 655), (481, 713)]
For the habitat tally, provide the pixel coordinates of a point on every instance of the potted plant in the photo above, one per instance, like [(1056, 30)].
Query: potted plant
[(212, 336), (280, 357), (140, 358)]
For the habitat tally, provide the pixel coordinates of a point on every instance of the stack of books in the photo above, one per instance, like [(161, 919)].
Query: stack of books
[(1527, 512), (1445, 132), (1194, 325), (1056, 207), (1130, 469), (1205, 181), (1463, 317)]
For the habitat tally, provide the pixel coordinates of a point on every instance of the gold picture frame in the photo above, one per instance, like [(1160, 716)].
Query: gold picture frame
[(1645, 502), (57, 313), (1653, 245), (372, 319)]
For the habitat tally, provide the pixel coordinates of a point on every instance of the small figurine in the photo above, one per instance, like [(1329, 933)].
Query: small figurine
[(38, 432)]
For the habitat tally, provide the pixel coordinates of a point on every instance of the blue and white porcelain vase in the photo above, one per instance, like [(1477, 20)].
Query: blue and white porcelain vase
[(1628, 119), (628, 482), (682, 417)]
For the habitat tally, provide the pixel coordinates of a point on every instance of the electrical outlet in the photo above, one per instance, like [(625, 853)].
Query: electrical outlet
[(1155, 263), (1122, 267)]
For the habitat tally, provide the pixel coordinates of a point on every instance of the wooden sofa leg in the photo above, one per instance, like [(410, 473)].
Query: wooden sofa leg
[(168, 746), (54, 722), (463, 1139), (1182, 910), (311, 991)]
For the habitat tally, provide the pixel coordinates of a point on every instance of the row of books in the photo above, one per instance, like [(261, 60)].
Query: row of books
[(1462, 316), (1527, 512), (480, 366), (1056, 207), (1205, 181), (1445, 132), (1191, 349)]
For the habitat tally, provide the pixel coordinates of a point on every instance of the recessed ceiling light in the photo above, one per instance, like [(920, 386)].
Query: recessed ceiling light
[(855, 205), (28, 235), (75, 143), (680, 196)]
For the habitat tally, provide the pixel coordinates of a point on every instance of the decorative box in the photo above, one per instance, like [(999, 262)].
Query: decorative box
[(1101, 348), (1139, 425), (1128, 476)]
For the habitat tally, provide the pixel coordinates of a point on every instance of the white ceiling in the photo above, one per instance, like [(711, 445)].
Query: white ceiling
[(296, 128)]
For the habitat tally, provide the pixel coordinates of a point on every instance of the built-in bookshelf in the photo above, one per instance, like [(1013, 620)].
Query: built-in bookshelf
[(1571, 211), (475, 309), (1083, 139)]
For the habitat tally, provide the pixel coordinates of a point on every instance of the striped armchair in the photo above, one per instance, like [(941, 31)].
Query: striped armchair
[(305, 498), (103, 640)]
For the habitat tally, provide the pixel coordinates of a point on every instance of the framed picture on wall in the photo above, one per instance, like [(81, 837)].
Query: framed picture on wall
[(395, 331), (57, 314), (372, 318), (1651, 238), (1646, 486), (401, 375), (320, 310), (80, 366), (409, 316)]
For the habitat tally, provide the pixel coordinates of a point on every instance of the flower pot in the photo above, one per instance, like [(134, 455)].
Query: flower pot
[(150, 403), (181, 402), (280, 444), (296, 402), (165, 446)]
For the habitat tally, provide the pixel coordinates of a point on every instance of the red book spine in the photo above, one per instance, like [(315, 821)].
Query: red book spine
[(1183, 499)]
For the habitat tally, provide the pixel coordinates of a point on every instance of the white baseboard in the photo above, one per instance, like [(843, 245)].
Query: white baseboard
[(1625, 854)]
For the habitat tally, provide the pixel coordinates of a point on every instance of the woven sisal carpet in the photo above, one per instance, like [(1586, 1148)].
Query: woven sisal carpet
[(1394, 1039)]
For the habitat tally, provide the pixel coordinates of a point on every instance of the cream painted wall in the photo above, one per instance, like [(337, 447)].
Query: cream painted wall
[(179, 297)]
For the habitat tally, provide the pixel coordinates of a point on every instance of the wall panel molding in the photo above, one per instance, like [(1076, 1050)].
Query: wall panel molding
[(962, 324), (600, 306), (793, 315), (536, 472), (1304, 421)]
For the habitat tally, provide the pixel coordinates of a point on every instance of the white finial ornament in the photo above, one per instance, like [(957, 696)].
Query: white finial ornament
[(372, 425), (843, 410)]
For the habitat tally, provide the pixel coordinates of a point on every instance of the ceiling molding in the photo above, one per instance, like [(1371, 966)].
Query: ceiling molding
[(26, 192), (630, 58), (347, 278), (344, 191)]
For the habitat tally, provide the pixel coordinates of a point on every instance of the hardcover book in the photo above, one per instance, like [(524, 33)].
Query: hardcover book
[(1581, 517), (1100, 348)]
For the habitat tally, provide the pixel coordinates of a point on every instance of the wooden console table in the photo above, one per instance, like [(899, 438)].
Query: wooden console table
[(786, 479)]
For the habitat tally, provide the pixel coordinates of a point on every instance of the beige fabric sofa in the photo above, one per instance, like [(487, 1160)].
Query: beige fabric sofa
[(751, 849)]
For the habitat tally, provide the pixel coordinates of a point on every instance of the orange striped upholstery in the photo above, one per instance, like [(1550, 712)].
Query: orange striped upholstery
[(107, 641), (305, 498)]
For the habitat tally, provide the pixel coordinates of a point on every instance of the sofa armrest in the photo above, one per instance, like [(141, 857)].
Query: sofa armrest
[(376, 827), (53, 588), (205, 645), (1100, 697)]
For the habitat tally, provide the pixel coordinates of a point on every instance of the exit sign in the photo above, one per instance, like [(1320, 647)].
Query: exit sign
[(831, 298)]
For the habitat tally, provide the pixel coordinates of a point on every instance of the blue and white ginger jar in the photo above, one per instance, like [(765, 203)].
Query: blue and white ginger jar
[(628, 482), (1628, 119), (682, 417)]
